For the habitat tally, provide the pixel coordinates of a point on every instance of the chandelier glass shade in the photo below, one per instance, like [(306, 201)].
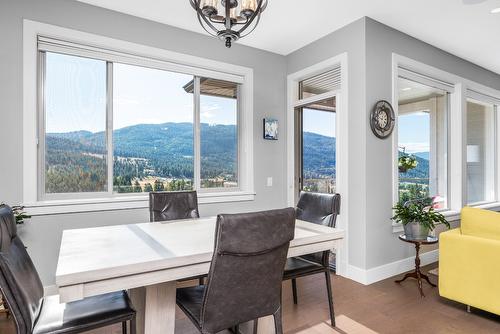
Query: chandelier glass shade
[(229, 20)]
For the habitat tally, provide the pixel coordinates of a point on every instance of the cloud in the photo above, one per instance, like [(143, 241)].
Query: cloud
[(415, 147)]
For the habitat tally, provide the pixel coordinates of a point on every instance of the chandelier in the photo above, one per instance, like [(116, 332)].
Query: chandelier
[(231, 20)]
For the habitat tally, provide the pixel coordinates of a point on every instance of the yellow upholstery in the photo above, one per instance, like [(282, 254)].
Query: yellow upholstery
[(480, 223), (469, 261)]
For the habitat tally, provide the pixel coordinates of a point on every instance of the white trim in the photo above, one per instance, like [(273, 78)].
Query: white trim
[(342, 129), (56, 207), (457, 123), (159, 57), (388, 270), (50, 290)]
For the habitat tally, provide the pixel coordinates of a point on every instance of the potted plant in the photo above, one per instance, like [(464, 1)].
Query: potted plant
[(19, 213), (418, 217), (407, 162)]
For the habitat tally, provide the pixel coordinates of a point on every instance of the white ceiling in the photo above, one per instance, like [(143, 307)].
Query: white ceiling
[(468, 31)]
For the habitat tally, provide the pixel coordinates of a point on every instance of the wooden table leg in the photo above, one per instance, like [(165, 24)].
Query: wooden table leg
[(417, 274), (155, 306), (262, 326)]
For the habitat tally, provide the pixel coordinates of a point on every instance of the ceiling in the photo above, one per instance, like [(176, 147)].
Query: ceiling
[(468, 31), (411, 91)]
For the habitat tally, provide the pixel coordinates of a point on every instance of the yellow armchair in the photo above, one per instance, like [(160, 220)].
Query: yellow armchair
[(469, 260)]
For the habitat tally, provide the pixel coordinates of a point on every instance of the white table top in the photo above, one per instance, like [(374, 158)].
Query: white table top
[(93, 254)]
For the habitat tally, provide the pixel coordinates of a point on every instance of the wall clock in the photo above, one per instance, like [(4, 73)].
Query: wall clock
[(382, 119)]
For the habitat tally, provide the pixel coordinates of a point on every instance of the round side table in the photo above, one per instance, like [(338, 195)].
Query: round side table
[(417, 274)]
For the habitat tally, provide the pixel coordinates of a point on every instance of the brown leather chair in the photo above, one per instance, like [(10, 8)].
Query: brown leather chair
[(320, 209), (35, 314), (244, 281), (173, 205)]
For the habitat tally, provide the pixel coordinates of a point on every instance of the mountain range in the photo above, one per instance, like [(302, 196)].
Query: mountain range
[(166, 150)]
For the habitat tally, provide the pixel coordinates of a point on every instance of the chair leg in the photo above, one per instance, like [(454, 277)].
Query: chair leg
[(255, 326), (278, 325), (201, 281), (133, 325), (330, 297), (124, 327), (294, 290)]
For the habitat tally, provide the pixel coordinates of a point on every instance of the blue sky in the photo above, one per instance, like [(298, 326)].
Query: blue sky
[(76, 96), (321, 122), (76, 100), (413, 132)]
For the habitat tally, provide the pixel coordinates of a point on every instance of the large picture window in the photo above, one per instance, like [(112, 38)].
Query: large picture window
[(422, 142), (111, 127)]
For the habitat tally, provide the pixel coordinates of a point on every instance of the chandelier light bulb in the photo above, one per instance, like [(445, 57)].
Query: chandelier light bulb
[(248, 7), (209, 7)]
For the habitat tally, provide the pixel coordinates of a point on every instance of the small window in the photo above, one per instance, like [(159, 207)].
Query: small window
[(218, 134), (422, 142), (481, 134)]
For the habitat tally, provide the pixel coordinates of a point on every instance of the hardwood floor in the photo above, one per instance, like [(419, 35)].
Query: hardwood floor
[(383, 307)]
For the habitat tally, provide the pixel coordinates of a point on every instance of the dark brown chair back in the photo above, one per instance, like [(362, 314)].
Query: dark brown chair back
[(318, 208), (244, 282), (19, 280), (321, 209), (172, 205)]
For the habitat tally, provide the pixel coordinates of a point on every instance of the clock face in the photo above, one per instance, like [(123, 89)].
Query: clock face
[(382, 119)]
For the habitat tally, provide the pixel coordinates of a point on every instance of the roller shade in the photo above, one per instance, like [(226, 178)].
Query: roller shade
[(321, 83)]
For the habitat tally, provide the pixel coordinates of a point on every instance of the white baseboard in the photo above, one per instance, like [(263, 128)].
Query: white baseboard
[(382, 272), (50, 290)]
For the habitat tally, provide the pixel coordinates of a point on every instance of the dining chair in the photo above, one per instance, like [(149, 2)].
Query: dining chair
[(173, 205), (35, 314), (320, 209), (244, 281)]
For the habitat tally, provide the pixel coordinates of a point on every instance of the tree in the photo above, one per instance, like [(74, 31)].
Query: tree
[(158, 186), (137, 187), (148, 188)]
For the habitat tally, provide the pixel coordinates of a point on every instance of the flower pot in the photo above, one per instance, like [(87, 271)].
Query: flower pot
[(414, 230), (402, 169)]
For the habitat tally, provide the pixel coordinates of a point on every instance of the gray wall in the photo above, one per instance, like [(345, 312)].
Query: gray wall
[(370, 45), (350, 39), (381, 41), (42, 234)]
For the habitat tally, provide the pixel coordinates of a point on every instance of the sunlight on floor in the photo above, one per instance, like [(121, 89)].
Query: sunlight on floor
[(345, 325)]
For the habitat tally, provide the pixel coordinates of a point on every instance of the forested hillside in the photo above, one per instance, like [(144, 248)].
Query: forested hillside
[(146, 153)]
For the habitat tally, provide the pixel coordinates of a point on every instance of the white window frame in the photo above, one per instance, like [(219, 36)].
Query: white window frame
[(342, 128), (134, 54), (457, 132), (494, 174), (433, 168)]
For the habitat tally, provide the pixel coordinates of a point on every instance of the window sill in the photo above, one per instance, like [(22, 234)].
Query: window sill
[(56, 207), (450, 216)]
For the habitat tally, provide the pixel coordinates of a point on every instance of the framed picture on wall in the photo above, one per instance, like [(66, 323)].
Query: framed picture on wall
[(270, 129)]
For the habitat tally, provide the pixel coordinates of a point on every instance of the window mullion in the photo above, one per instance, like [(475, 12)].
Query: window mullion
[(109, 124), (197, 139), (41, 125)]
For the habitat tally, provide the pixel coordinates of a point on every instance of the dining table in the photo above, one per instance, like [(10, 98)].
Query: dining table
[(148, 259)]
